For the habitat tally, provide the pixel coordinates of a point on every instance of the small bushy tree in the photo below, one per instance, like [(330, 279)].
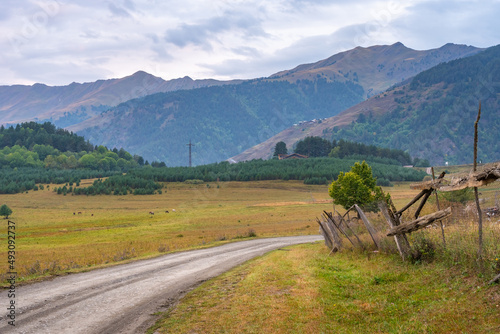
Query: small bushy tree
[(5, 211), (356, 187)]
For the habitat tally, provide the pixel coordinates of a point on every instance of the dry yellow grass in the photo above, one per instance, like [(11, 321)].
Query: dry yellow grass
[(51, 238)]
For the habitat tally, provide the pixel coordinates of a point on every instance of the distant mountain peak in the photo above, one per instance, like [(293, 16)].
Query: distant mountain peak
[(399, 45), (375, 68)]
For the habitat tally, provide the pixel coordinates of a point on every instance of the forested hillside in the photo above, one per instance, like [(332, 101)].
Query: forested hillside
[(220, 121), (343, 149), (34, 154), (43, 145), (433, 116), (376, 68), (224, 121)]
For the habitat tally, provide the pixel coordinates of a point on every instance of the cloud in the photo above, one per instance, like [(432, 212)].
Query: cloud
[(61, 41), (90, 34), (435, 23), (57, 72), (202, 34), (118, 11), (306, 50)]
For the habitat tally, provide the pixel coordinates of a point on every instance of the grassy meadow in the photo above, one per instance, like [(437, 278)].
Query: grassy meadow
[(301, 289), (51, 239)]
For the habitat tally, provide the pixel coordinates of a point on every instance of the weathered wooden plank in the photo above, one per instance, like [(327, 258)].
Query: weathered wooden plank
[(419, 223), (422, 193), (429, 185), (334, 247), (329, 217), (328, 241), (368, 226), (474, 179), (426, 193), (350, 229), (336, 237), (400, 242), (422, 203)]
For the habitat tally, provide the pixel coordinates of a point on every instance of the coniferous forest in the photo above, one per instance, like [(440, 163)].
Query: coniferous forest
[(37, 155)]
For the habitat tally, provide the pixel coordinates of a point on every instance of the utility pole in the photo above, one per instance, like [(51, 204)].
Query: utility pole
[(190, 145)]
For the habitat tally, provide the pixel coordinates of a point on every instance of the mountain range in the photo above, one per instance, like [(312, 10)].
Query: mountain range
[(375, 68), (71, 104), (149, 116), (430, 116)]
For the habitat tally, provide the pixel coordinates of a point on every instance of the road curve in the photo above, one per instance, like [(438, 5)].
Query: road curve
[(123, 298)]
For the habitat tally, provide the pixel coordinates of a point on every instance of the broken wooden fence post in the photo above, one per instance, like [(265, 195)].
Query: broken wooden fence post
[(368, 226), (479, 213), (333, 230), (328, 240), (419, 223), (439, 209), (402, 246)]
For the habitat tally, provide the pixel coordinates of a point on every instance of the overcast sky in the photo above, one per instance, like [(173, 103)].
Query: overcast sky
[(57, 42)]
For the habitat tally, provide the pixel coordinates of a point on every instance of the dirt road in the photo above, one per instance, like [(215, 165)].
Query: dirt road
[(122, 299)]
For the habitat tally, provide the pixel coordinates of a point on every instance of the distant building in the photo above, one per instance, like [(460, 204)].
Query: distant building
[(292, 156)]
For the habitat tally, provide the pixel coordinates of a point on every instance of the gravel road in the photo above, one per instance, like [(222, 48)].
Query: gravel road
[(123, 298)]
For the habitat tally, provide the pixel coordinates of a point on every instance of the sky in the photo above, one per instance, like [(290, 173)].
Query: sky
[(57, 42)]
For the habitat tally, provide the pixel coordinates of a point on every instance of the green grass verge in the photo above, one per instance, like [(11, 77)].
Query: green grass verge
[(304, 290)]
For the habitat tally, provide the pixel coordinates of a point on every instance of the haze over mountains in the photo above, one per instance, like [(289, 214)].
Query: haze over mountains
[(221, 118)]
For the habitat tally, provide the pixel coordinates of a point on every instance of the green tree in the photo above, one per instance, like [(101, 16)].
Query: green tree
[(5, 211), (313, 147), (280, 148), (365, 172), (356, 187), (349, 189), (88, 161)]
